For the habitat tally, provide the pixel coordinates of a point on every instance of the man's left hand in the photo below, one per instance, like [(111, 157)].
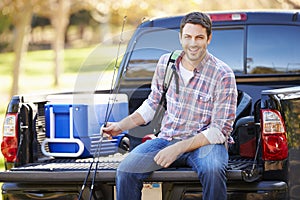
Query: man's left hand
[(167, 156)]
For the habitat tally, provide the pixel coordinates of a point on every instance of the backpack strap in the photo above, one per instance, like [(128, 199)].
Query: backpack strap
[(169, 73)]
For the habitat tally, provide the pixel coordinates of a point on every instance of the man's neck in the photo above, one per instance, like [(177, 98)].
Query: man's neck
[(191, 65)]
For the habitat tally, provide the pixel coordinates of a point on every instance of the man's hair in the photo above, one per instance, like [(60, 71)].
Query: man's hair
[(197, 18)]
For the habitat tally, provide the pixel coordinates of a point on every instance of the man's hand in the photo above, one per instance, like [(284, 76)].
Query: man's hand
[(115, 128), (112, 129), (167, 156)]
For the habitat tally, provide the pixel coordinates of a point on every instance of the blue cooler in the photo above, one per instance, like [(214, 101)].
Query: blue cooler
[(73, 124)]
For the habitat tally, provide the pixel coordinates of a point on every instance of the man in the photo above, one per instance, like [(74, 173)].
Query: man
[(197, 123)]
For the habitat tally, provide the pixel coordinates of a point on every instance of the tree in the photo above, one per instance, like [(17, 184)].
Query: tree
[(59, 12), (20, 12)]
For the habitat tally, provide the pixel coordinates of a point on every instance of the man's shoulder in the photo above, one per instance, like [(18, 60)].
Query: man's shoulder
[(163, 61), (170, 57), (220, 65), (165, 57)]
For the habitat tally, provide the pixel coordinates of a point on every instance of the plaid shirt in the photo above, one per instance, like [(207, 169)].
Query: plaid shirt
[(207, 101)]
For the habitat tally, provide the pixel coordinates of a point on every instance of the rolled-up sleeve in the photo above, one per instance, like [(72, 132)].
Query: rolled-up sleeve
[(214, 135), (146, 112), (224, 110)]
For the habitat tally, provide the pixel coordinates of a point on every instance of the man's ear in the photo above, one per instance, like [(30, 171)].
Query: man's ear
[(209, 38), (179, 35)]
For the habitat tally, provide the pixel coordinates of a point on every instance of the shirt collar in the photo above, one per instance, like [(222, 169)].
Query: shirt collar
[(200, 65)]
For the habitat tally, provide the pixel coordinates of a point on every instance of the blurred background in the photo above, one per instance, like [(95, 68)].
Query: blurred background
[(43, 43)]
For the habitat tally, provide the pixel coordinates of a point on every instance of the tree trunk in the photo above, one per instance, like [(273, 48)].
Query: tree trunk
[(21, 22), (59, 21)]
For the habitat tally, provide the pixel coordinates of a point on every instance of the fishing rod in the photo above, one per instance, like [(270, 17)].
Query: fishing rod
[(91, 166), (107, 115), (97, 154)]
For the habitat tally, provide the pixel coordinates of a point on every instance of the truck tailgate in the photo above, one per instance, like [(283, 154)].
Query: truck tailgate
[(65, 170)]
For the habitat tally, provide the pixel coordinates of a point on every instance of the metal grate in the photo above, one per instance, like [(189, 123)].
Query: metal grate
[(109, 163), (239, 163)]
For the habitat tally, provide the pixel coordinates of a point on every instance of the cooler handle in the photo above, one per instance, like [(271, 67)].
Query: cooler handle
[(62, 140)]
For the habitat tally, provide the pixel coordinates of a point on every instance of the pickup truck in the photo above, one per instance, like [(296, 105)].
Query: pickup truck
[(261, 47)]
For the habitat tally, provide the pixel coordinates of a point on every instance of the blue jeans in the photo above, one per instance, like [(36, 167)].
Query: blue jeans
[(209, 162)]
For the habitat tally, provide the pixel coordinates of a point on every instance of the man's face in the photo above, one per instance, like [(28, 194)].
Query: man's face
[(194, 42)]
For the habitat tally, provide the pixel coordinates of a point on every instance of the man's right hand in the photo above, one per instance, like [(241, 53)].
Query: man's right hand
[(115, 128), (112, 128)]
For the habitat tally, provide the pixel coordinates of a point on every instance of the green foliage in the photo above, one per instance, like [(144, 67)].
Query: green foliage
[(5, 22)]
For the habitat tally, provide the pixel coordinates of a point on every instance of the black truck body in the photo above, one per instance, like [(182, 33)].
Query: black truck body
[(263, 50)]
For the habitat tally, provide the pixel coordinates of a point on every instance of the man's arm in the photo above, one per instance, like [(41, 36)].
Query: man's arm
[(115, 128), (169, 154), (224, 109)]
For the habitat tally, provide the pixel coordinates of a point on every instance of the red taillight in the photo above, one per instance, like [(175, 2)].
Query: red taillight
[(148, 137), (228, 17), (274, 140), (9, 145)]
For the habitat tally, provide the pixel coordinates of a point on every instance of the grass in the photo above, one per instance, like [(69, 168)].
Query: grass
[(36, 63), (37, 69)]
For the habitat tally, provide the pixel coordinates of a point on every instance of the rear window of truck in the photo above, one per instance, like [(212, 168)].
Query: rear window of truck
[(268, 49), (273, 49)]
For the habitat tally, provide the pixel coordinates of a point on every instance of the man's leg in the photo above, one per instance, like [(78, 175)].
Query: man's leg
[(137, 166), (210, 162)]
